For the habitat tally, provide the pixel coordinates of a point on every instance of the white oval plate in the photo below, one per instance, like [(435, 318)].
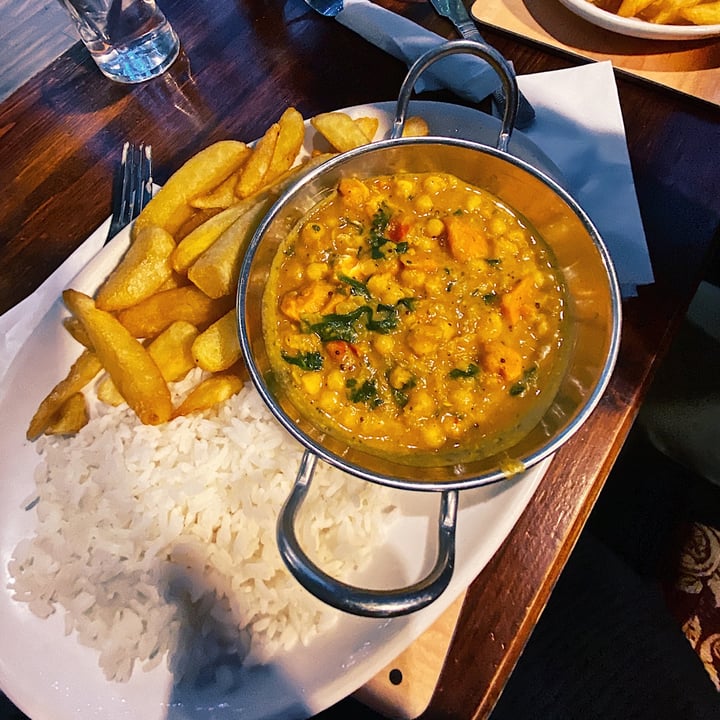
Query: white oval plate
[(635, 27), (52, 677)]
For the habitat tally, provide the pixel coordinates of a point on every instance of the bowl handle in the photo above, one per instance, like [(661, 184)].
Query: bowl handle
[(493, 58), (362, 601)]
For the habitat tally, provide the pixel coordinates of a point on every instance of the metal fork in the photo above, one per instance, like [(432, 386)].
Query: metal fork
[(132, 187)]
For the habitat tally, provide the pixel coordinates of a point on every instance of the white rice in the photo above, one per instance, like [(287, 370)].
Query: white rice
[(159, 542)]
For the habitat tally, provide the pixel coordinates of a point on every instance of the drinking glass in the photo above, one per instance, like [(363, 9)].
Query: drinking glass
[(130, 40)]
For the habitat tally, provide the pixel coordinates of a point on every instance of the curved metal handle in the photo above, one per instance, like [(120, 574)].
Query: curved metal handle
[(493, 58), (362, 601)]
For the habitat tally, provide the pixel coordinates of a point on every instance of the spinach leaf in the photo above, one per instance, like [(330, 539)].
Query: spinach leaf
[(378, 226), (305, 361), (337, 326), (528, 379), (356, 287), (366, 393), (471, 371), (400, 395), (385, 321)]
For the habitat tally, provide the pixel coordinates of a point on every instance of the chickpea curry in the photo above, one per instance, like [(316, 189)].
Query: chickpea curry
[(414, 314)]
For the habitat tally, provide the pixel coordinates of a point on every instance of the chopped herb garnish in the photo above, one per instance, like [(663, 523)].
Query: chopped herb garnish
[(407, 302), (335, 326), (402, 247), (493, 261), (384, 321), (400, 395), (305, 361), (521, 386), (379, 225), (366, 393), (491, 298), (356, 287), (471, 371)]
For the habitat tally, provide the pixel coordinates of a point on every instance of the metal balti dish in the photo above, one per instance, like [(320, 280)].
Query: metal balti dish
[(593, 322)]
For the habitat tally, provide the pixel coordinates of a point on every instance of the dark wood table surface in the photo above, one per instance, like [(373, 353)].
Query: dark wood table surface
[(241, 63)]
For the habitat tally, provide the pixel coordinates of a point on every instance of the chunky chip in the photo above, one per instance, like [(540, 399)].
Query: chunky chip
[(83, 370), (254, 171), (170, 208), (172, 350), (143, 270), (208, 393), (151, 316), (108, 393), (289, 141), (128, 363), (218, 348), (195, 243), (339, 129), (70, 417)]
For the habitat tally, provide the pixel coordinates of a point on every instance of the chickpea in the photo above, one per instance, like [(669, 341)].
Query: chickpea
[(413, 278), (433, 434), (434, 184), (473, 202), (335, 380), (423, 203), (385, 288), (454, 427), (462, 396), (436, 284), (328, 401), (497, 226), (349, 417), (435, 227), (294, 270), (312, 383), (353, 191), (399, 377), (423, 341), (316, 271), (348, 241), (421, 404), (404, 187), (384, 344)]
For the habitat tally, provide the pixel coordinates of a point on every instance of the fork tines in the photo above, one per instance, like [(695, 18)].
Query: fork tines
[(133, 185)]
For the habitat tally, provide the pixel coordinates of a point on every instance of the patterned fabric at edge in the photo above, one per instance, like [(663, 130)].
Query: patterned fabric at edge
[(693, 593)]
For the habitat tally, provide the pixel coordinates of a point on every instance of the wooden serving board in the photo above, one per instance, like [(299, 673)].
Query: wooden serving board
[(690, 66), (404, 688)]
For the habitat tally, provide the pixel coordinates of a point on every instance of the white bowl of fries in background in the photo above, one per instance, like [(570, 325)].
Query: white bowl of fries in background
[(652, 19)]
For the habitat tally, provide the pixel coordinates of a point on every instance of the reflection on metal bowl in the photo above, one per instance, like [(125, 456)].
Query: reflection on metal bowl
[(593, 322)]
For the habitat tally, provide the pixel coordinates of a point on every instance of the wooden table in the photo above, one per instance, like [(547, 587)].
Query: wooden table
[(242, 61)]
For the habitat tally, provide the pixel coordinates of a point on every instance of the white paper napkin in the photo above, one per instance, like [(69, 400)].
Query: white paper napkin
[(580, 127)]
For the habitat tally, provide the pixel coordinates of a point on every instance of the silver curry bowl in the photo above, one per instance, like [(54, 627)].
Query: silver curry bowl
[(592, 336)]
